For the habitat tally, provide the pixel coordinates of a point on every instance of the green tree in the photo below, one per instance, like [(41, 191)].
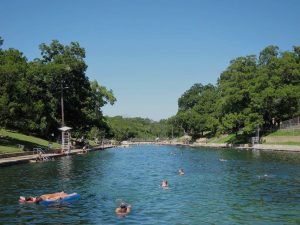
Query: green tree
[(30, 92), (13, 87)]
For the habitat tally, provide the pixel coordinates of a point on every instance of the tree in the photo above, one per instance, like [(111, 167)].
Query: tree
[(191, 97), (31, 92), (13, 87), (1, 42)]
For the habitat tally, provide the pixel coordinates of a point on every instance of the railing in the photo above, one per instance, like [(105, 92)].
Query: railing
[(41, 152), (255, 140), (290, 124)]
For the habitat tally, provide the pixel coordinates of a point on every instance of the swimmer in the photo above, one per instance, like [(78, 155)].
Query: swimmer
[(164, 184), (84, 149), (123, 209), (39, 157), (180, 172), (222, 160), (54, 196), (29, 199)]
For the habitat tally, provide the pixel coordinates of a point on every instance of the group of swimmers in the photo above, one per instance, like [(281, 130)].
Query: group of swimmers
[(165, 183), (122, 210)]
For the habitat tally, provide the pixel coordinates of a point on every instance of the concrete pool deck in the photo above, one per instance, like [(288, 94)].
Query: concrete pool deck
[(32, 157), (262, 147), (8, 161)]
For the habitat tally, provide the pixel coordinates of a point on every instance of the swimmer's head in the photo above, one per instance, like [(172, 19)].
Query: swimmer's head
[(123, 205), (38, 199)]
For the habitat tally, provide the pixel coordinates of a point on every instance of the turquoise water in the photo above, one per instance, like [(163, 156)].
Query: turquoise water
[(243, 188)]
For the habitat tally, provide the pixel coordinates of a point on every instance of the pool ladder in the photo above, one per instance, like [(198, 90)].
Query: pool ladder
[(40, 151)]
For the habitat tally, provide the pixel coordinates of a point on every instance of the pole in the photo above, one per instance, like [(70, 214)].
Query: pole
[(62, 115), (62, 104), (258, 134)]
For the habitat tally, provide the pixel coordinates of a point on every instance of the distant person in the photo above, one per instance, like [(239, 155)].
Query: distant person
[(123, 209), (164, 184), (181, 172), (84, 149), (49, 146), (39, 157)]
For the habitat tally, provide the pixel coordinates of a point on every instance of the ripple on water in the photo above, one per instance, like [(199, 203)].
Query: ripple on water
[(219, 187)]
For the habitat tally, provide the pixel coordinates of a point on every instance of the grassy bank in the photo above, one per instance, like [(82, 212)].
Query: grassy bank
[(11, 142), (222, 139), (279, 137), (285, 133), (283, 137)]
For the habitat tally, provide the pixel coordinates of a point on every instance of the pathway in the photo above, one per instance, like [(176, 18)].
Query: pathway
[(28, 158)]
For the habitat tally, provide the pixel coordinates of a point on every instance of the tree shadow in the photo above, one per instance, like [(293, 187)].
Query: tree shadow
[(12, 142)]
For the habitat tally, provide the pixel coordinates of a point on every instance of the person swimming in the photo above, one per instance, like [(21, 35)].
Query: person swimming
[(29, 199), (123, 209), (164, 184), (181, 172)]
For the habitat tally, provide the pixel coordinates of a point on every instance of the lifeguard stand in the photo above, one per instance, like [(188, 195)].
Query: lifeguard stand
[(65, 139)]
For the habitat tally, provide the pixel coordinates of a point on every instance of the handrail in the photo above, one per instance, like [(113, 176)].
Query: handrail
[(38, 151)]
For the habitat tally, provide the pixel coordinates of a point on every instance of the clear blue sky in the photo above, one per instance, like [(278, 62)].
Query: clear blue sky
[(150, 51)]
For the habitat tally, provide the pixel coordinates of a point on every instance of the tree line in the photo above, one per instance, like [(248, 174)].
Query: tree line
[(31, 92), (252, 92), (136, 128)]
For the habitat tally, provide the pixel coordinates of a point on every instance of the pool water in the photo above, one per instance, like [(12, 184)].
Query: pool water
[(219, 187)]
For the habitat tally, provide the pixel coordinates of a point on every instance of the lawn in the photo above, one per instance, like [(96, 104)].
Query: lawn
[(11, 141), (283, 143), (222, 139), (285, 133)]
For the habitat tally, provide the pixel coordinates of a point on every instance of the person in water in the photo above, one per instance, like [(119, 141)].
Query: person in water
[(84, 149), (29, 199), (180, 172), (164, 184), (53, 196), (39, 157), (123, 209)]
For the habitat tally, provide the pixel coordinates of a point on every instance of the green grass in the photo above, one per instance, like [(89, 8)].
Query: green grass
[(10, 142), (227, 139), (6, 149), (283, 143), (285, 133)]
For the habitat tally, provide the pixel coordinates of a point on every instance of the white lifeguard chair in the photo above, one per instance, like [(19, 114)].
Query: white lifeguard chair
[(65, 139)]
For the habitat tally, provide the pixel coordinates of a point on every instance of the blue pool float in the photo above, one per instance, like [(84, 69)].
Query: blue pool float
[(69, 198)]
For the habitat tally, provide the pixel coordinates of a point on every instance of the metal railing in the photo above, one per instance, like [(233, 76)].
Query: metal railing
[(40, 151), (290, 124)]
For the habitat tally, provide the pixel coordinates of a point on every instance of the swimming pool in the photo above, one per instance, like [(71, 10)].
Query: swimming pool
[(219, 187)]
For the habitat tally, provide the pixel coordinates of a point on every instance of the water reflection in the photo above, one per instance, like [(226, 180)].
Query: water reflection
[(65, 167)]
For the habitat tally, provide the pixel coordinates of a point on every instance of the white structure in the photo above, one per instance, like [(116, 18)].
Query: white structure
[(65, 139)]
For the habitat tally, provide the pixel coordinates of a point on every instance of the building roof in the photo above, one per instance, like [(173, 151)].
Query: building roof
[(65, 128)]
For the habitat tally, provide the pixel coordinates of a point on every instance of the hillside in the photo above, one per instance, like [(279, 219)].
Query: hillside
[(11, 141), (283, 137)]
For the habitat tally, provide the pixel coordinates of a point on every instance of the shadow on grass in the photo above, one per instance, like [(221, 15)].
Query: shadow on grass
[(16, 143)]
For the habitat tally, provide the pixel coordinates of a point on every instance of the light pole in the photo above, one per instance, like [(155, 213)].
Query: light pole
[(67, 68), (62, 104)]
